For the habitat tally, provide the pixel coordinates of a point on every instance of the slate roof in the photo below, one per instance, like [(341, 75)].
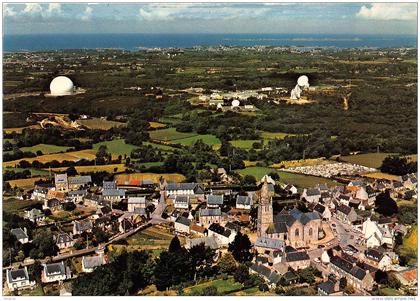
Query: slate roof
[(91, 262), (220, 230), (264, 242), (63, 238), (53, 203), (313, 192), (113, 192), (77, 193), (83, 225), (109, 185), (34, 213), (18, 233), (344, 209), (105, 210), (18, 275), (210, 212), (55, 269), (183, 220), (80, 180), (215, 199), (195, 187), (272, 276), (374, 254), (297, 256), (348, 267), (327, 287), (136, 200), (233, 226), (208, 241), (319, 208), (181, 199), (41, 189), (243, 200)]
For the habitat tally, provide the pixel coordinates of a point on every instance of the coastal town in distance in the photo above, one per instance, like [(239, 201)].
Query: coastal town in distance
[(209, 168)]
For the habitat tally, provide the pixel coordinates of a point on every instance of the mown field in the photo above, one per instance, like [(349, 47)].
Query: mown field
[(300, 181), (116, 147), (88, 154), (45, 148), (373, 160), (34, 172), (15, 205), (100, 124), (95, 168), (20, 129), (174, 177), (172, 136), (25, 183)]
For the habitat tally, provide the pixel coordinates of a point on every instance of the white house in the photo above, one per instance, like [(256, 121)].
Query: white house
[(375, 235), (64, 241), (223, 235), (40, 193), (21, 235), (182, 202), (311, 195), (378, 259), (214, 201), (18, 279), (182, 225), (54, 272), (184, 189), (243, 202), (136, 202), (82, 226), (35, 215), (89, 263)]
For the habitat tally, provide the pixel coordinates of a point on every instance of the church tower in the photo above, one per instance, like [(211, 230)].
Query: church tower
[(265, 210)]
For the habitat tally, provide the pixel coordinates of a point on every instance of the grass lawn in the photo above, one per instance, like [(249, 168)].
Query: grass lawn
[(246, 144), (94, 168), (387, 291), (148, 164), (275, 135), (160, 146), (373, 160), (35, 172), (302, 181), (16, 205), (169, 134), (45, 148), (224, 287), (207, 139), (19, 130), (37, 291), (410, 242), (175, 177), (116, 147), (101, 124)]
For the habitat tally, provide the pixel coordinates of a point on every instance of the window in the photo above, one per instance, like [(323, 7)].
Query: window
[(310, 231), (297, 232)]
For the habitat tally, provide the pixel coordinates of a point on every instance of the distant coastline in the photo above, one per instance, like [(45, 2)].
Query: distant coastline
[(133, 42)]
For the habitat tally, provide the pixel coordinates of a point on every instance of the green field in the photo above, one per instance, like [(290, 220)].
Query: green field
[(148, 164), (301, 181), (207, 139), (116, 147), (15, 205), (272, 136), (246, 144), (409, 246), (35, 172), (387, 291), (98, 123), (169, 134), (224, 287), (373, 160), (161, 146), (45, 148)]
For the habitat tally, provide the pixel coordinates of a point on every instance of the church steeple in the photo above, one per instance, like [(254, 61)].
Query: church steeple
[(265, 209)]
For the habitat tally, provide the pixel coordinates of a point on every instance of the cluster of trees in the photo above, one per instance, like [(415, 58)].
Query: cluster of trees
[(13, 175), (146, 154), (397, 165)]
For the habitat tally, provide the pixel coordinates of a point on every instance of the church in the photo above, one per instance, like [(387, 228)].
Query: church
[(295, 228)]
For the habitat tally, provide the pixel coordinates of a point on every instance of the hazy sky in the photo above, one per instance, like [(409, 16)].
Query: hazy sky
[(355, 18)]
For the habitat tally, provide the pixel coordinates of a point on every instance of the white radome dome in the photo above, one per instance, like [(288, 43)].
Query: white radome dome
[(61, 85), (235, 103)]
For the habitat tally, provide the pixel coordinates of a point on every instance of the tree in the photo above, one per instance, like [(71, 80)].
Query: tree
[(248, 180), (393, 281), (71, 171), (171, 269), (241, 274), (201, 259), (397, 165), (275, 176), (343, 283), (385, 205), (175, 245), (44, 244), (381, 277), (227, 263), (241, 248)]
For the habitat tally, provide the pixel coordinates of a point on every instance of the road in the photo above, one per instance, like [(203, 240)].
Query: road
[(347, 235)]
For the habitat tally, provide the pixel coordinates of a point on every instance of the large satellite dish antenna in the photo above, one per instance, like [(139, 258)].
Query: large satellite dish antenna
[(303, 81), (235, 103)]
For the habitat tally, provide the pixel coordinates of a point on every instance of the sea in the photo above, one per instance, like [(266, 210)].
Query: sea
[(135, 41)]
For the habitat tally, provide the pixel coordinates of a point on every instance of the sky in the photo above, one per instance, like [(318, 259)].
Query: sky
[(327, 18)]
